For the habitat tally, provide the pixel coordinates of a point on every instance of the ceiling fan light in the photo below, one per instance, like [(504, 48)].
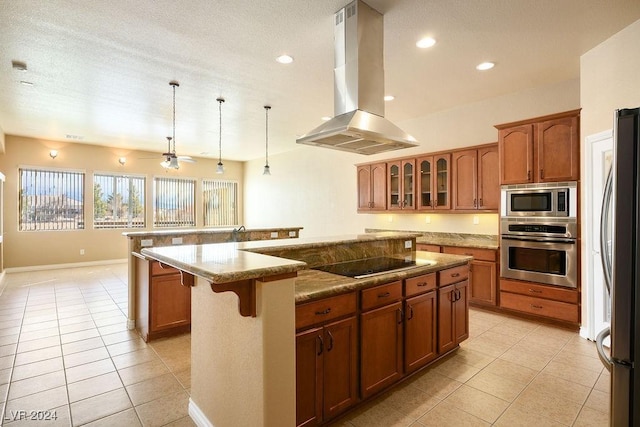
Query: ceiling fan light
[(173, 163), (267, 170), (220, 168)]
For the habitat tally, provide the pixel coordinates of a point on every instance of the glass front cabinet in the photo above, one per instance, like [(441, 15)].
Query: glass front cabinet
[(401, 184), (434, 182)]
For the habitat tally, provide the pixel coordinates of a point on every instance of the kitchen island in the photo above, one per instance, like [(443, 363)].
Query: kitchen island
[(244, 307)]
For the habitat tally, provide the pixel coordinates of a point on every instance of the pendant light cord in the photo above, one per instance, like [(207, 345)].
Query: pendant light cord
[(174, 84), (266, 145), (220, 101)]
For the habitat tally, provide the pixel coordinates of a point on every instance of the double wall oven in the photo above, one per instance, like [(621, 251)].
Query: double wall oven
[(539, 233)]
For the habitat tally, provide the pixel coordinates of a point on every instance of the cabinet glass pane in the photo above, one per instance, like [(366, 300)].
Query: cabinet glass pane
[(442, 182), (407, 187), (425, 183), (394, 184)]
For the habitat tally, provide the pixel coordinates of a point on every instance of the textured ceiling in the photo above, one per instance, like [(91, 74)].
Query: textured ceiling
[(100, 69)]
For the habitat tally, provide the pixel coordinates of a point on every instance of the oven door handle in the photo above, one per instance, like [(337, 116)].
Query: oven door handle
[(539, 239)]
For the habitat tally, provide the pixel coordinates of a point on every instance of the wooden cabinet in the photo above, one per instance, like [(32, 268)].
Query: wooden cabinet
[(427, 247), (326, 359), (544, 149), (483, 278), (401, 184), (475, 179), (381, 343), (420, 345), (372, 185), (453, 308), (434, 182), (163, 300), (541, 300)]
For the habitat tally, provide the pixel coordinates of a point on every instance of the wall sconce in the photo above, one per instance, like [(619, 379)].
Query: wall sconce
[(53, 154), (122, 160)]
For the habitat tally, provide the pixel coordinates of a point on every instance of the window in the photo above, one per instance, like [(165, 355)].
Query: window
[(174, 202), (220, 203), (51, 200), (118, 201)]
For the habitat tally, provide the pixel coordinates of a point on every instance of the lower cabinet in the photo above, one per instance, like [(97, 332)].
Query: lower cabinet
[(541, 300), (453, 308), (483, 282), (420, 331)]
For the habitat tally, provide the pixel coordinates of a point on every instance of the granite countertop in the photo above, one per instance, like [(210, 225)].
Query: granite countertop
[(178, 231), (461, 240)]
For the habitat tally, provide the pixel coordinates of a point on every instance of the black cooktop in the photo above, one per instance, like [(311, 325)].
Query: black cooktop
[(365, 267)]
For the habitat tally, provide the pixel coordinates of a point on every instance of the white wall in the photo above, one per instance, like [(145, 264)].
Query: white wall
[(315, 188)]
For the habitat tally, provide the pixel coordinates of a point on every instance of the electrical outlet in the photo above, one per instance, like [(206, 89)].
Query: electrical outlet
[(476, 220), (274, 234), (81, 251), (146, 242), (427, 219), (292, 234), (407, 244), (176, 241)]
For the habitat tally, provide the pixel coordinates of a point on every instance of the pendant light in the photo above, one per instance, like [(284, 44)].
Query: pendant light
[(220, 168), (266, 171), (172, 160)]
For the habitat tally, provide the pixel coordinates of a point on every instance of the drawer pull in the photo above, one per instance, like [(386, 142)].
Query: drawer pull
[(455, 275), (535, 291), (320, 345), (324, 312), (384, 295), (539, 307), (330, 346), (422, 284)]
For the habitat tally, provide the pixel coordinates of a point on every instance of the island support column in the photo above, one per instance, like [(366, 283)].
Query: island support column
[(131, 267), (243, 368)]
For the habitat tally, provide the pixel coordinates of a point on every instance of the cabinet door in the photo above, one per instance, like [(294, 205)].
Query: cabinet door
[(420, 331), (425, 179), (380, 348), (340, 366), (379, 186), (461, 312), (488, 178), (309, 348), (516, 154), (442, 181), (394, 196), (364, 187), (465, 174), (170, 302), (558, 150), (408, 185), (483, 283), (446, 318)]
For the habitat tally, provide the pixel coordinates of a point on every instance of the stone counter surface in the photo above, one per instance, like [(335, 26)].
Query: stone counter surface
[(479, 241)]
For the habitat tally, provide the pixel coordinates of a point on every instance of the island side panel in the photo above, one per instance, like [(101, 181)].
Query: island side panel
[(131, 312), (243, 368)]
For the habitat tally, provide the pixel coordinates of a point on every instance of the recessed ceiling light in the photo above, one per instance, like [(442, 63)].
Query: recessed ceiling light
[(284, 59), (326, 118), (389, 97), (426, 42), (485, 66), (26, 83)]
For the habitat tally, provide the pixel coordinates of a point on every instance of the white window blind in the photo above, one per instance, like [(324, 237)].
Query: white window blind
[(174, 202), (220, 200), (118, 201), (50, 200)]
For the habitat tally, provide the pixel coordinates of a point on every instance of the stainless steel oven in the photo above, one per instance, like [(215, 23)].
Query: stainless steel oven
[(540, 200), (543, 252)]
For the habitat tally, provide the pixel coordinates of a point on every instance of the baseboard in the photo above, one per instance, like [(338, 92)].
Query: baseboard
[(197, 415), (63, 266)]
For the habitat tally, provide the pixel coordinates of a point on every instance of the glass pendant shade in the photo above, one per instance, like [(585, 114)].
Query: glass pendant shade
[(266, 171), (220, 168)]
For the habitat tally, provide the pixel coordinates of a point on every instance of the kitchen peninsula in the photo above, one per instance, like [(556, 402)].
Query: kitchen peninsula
[(253, 301)]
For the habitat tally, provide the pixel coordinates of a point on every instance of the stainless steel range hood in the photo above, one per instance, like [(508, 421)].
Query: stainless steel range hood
[(359, 125)]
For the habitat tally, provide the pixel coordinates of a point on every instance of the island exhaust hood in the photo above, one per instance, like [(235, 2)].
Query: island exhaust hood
[(359, 125)]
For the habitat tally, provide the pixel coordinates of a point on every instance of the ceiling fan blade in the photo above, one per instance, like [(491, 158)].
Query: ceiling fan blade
[(186, 159)]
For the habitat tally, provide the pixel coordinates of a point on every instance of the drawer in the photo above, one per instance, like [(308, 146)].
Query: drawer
[(381, 295), (320, 311), (539, 291), (427, 247), (419, 284), (159, 269), (453, 275), (541, 307), (479, 254)]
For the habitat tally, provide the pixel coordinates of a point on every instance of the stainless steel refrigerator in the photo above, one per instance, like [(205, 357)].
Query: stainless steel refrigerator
[(620, 217)]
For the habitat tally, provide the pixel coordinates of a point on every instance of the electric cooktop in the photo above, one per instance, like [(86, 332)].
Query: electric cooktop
[(367, 267)]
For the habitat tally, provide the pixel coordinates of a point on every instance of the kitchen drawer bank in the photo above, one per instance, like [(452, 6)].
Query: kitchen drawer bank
[(230, 350)]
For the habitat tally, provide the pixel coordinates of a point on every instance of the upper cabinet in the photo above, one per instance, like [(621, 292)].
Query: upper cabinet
[(544, 149), (372, 190), (434, 182), (401, 184), (475, 179)]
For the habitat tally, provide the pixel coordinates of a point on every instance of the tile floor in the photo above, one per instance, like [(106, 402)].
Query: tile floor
[(65, 352)]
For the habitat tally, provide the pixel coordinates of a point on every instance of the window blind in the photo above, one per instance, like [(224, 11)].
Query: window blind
[(174, 204), (220, 200)]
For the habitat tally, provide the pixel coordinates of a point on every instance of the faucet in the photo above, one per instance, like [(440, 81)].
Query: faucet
[(235, 232)]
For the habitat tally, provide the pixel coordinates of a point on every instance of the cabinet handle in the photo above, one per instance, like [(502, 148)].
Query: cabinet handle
[(400, 315), (330, 346), (539, 307), (455, 274), (535, 291), (481, 204), (384, 295), (528, 175), (475, 204), (422, 284), (542, 173), (410, 316), (320, 345), (324, 312)]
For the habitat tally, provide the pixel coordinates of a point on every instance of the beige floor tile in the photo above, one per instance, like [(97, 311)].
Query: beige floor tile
[(153, 388), (48, 399), (80, 335), (143, 371), (127, 418), (93, 386), (446, 414), (37, 319), (555, 386), (6, 361), (36, 384), (24, 346), (37, 368), (604, 382), (88, 370), (556, 408), (75, 318), (9, 339), (39, 326), (76, 327), (587, 362), (56, 417), (515, 330), (435, 384), (497, 386), (178, 361), (572, 373), (591, 418), (184, 377), (182, 422), (526, 358), (377, 414), (514, 417), (409, 400), (15, 330), (472, 358), (5, 375), (112, 329), (87, 356), (599, 401), (579, 345), (134, 358), (478, 403), (38, 355), (456, 370), (97, 407), (126, 347), (164, 410), (8, 350), (83, 345), (112, 320), (511, 371), (119, 337), (4, 388)]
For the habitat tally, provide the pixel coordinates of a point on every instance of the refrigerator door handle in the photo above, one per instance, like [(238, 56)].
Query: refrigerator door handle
[(604, 358), (604, 232)]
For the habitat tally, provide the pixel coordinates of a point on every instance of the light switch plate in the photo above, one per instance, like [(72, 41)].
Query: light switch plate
[(407, 244), (146, 243), (176, 241)]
